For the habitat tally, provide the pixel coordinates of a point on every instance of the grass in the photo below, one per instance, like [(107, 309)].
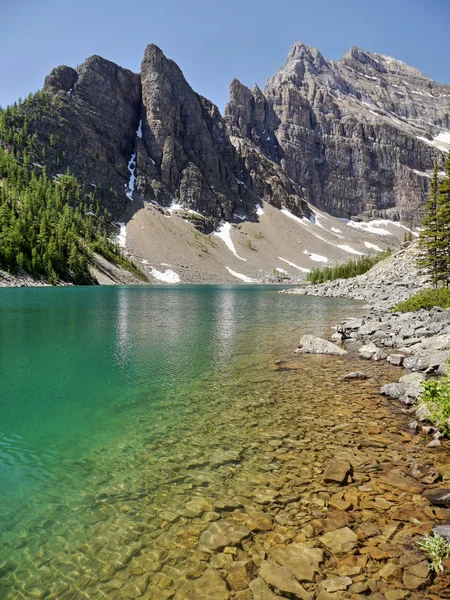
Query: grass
[(436, 397), (352, 268), (437, 548), (425, 299)]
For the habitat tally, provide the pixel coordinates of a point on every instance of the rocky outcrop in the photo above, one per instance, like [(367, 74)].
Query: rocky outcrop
[(86, 120), (188, 157)]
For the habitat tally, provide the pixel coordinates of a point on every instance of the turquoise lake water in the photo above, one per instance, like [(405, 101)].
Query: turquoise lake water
[(98, 384)]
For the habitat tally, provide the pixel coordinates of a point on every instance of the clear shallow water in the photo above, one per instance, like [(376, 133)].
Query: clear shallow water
[(114, 391)]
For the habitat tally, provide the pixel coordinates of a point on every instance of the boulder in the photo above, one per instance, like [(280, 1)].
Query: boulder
[(438, 496), (354, 375), (396, 359), (435, 362), (379, 354), (367, 351), (311, 344), (443, 531)]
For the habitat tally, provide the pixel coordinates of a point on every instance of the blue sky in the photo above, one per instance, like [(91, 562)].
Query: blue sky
[(214, 42)]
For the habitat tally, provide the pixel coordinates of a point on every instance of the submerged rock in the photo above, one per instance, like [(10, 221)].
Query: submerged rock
[(337, 471), (311, 344), (358, 375)]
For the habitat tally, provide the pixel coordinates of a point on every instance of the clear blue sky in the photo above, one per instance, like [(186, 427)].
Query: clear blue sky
[(211, 41)]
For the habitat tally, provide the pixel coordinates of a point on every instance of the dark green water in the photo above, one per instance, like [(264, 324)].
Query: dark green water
[(92, 378)]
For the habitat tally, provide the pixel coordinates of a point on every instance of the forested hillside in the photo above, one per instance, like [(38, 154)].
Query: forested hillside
[(49, 228)]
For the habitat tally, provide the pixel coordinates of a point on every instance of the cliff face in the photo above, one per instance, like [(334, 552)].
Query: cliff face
[(89, 125), (359, 135), (353, 137)]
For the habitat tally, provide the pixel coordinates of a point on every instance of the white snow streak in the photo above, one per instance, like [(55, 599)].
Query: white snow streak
[(122, 237), (349, 249), (259, 210), (316, 257), (240, 276), (336, 230), (303, 221), (139, 130), (372, 246), (302, 269), (129, 189), (224, 234)]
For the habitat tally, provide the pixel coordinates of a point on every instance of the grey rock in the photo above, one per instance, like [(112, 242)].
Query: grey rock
[(434, 362), (396, 359), (379, 354), (443, 531), (367, 351), (393, 390), (314, 345), (438, 496), (354, 375), (434, 444)]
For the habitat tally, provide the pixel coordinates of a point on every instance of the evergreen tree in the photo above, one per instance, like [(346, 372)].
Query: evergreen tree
[(443, 218), (429, 237)]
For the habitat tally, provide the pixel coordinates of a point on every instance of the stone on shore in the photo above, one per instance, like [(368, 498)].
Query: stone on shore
[(311, 344), (396, 359), (443, 531), (367, 351), (438, 496)]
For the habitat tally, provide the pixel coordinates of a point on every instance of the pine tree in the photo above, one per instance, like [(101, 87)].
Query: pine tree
[(429, 237), (443, 218)]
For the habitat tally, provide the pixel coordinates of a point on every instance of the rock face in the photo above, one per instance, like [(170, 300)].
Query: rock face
[(86, 120), (369, 128)]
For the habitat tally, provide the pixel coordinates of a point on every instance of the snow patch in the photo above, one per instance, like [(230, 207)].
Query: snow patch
[(421, 173), (302, 269), (369, 226), (372, 246), (224, 233), (240, 276), (316, 257), (281, 271), (241, 217), (175, 206), (302, 221), (167, 276), (349, 249), (122, 237), (139, 130), (259, 210), (129, 189), (336, 230)]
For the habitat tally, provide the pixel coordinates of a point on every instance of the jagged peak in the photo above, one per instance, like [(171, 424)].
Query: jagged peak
[(256, 91), (300, 51)]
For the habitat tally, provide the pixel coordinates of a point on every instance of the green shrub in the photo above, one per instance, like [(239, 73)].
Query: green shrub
[(425, 299), (437, 548), (436, 397), (352, 268)]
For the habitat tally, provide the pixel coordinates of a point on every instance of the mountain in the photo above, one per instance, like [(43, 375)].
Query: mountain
[(360, 135), (199, 194)]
